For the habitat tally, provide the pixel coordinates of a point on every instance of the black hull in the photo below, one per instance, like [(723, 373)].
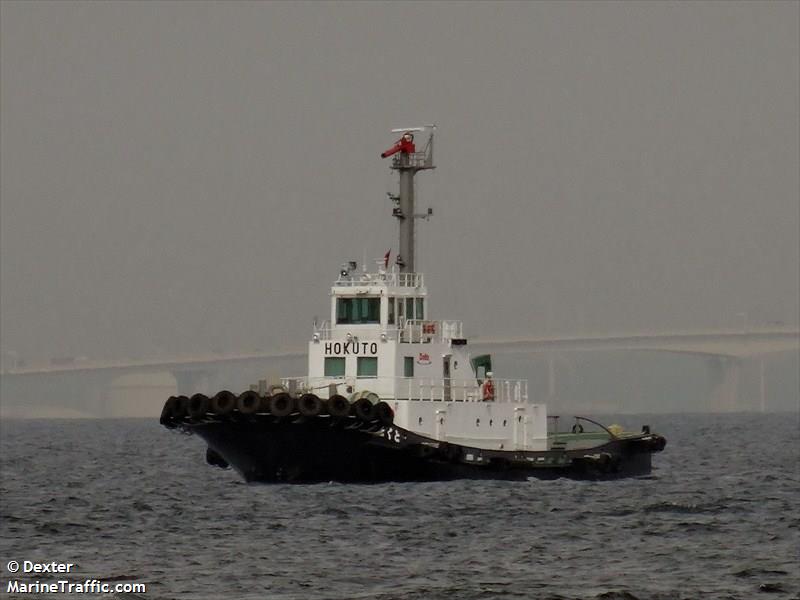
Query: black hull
[(299, 450)]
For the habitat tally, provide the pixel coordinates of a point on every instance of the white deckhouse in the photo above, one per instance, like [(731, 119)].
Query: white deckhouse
[(381, 343)]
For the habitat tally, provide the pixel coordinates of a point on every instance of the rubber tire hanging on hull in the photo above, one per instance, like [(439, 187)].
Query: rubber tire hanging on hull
[(168, 413), (248, 402), (223, 403), (181, 407), (364, 410), (338, 406), (384, 413), (309, 405), (281, 405), (198, 407)]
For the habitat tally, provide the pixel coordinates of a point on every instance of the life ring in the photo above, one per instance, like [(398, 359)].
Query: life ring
[(384, 413), (309, 405), (338, 406), (198, 406), (248, 402), (223, 403), (281, 405)]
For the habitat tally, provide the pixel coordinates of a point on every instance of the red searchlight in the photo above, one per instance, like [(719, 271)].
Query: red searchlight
[(405, 145)]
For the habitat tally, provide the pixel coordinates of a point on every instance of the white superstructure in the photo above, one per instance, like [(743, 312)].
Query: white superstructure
[(381, 342)]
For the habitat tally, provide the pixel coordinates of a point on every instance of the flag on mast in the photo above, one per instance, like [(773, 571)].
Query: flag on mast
[(386, 258)]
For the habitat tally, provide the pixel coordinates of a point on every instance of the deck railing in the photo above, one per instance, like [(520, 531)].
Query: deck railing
[(411, 388), (421, 330), (388, 278), (420, 160), (411, 331)]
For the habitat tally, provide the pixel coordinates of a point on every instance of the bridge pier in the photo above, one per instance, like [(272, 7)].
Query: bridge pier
[(551, 377), (192, 381), (97, 393), (726, 376), (61, 395)]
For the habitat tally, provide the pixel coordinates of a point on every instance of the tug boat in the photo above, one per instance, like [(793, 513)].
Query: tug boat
[(395, 395)]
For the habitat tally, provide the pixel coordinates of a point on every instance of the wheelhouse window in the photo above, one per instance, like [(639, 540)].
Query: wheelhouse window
[(410, 308), (414, 307), (334, 366), (358, 310), (367, 366)]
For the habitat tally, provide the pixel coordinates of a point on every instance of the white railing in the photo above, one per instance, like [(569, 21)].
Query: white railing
[(412, 159), (411, 388), (411, 331), (372, 335), (421, 330), (393, 278), (321, 331)]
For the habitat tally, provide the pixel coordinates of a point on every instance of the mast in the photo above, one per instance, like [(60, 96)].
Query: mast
[(408, 162)]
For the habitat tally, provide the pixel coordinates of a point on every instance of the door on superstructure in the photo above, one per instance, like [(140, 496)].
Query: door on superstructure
[(447, 394)]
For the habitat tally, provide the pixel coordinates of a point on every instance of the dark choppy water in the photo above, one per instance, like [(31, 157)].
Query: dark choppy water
[(130, 501)]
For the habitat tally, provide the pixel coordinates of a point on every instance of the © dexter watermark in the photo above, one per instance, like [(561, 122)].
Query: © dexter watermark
[(28, 566), (61, 586)]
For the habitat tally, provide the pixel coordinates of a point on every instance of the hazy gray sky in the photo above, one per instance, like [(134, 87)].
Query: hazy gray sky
[(182, 177)]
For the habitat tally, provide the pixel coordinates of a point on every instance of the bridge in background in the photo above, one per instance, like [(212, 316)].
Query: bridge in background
[(724, 350), (726, 343), (729, 344)]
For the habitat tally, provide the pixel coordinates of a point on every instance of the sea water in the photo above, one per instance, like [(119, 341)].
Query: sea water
[(130, 501)]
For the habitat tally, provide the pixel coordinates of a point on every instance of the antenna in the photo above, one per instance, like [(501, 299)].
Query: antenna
[(404, 129), (418, 128)]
